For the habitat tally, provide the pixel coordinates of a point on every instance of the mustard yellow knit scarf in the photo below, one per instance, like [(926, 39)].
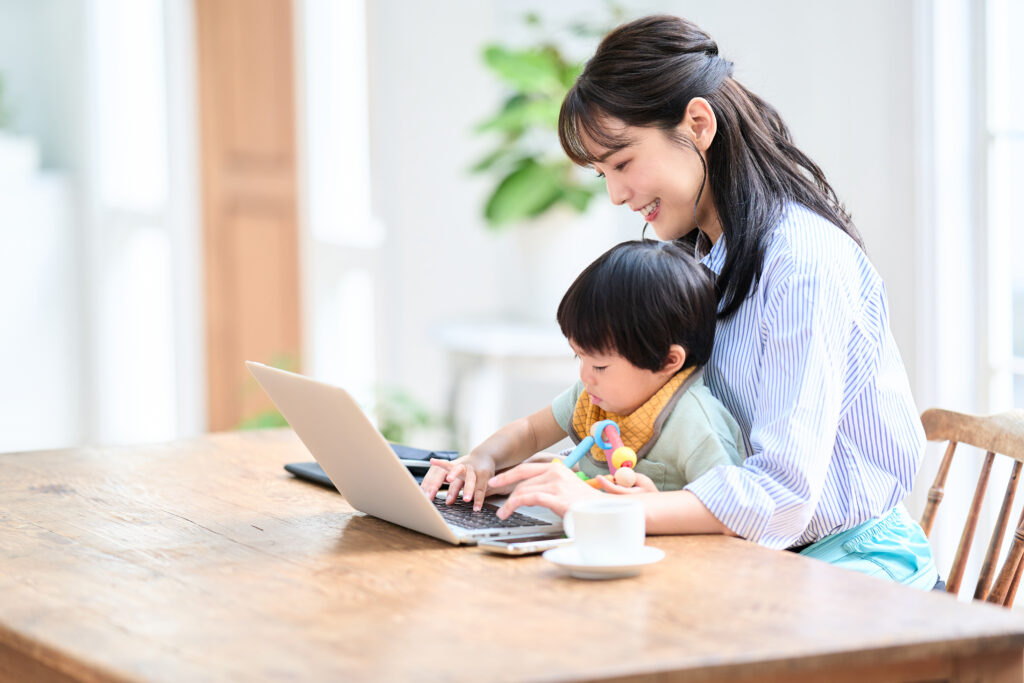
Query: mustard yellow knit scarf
[(637, 428)]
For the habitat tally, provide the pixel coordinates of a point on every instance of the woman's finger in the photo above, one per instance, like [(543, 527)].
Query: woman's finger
[(470, 488), (519, 473), (542, 498), (556, 488)]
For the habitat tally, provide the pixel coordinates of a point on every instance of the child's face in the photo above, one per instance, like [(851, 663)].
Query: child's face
[(615, 384)]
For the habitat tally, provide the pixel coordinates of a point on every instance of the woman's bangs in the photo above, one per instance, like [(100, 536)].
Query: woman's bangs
[(579, 124)]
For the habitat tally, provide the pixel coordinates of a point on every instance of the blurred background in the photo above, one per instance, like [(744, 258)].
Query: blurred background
[(371, 192)]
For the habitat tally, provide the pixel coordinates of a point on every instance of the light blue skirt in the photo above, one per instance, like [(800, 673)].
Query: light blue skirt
[(893, 547)]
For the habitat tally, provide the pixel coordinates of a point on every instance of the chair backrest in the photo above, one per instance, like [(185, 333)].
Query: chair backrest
[(1001, 434)]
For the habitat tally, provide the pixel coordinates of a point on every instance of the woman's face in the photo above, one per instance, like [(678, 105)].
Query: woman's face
[(658, 177)]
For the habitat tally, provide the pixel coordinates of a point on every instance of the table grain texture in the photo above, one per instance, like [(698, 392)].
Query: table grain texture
[(203, 560)]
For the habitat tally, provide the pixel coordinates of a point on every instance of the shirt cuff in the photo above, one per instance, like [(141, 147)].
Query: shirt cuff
[(737, 501)]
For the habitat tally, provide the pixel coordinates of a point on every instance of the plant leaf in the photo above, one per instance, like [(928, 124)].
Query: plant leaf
[(529, 71), (526, 192), (521, 113), (577, 197), (491, 160)]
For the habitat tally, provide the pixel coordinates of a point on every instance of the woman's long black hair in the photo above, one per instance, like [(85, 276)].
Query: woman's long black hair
[(645, 73)]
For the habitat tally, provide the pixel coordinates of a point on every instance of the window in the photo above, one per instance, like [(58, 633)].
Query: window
[(341, 238), (139, 263)]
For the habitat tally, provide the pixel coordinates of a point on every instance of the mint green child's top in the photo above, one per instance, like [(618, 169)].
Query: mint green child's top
[(697, 436)]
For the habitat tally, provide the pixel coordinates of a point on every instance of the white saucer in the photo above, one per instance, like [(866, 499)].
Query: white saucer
[(567, 558)]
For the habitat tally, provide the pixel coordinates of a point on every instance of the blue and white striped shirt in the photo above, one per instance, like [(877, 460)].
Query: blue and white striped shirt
[(809, 368)]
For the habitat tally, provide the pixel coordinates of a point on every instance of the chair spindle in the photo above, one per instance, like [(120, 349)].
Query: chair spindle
[(996, 543), (963, 551)]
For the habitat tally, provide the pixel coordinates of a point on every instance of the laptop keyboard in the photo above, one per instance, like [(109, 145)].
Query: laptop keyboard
[(461, 514)]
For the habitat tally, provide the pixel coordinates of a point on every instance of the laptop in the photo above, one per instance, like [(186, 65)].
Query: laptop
[(364, 469)]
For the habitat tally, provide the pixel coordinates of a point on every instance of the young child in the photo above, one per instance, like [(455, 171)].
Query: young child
[(641, 319)]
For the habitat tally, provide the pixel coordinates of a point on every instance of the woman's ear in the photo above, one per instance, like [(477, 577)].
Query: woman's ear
[(674, 360), (699, 123)]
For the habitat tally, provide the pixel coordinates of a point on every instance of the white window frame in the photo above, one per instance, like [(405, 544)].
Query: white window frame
[(341, 241)]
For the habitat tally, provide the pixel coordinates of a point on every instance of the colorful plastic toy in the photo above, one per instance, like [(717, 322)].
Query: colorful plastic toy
[(577, 453), (618, 455), (621, 459)]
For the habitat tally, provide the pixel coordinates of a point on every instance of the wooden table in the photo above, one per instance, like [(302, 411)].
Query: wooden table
[(204, 560)]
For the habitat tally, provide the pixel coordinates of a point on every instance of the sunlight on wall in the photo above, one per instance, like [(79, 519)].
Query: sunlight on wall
[(131, 378), (130, 91), (341, 238), (336, 123), (345, 335)]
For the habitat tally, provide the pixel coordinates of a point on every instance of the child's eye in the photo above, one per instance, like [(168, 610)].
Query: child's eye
[(621, 166), (599, 368), (600, 175)]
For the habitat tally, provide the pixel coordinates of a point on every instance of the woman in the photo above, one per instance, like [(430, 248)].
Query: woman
[(803, 356)]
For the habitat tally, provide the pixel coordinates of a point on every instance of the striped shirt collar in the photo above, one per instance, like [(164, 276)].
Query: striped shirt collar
[(714, 260)]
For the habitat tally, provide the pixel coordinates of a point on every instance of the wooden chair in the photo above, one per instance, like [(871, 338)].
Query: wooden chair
[(1002, 434)]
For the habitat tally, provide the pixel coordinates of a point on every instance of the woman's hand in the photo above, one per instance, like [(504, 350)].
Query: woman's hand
[(551, 485)]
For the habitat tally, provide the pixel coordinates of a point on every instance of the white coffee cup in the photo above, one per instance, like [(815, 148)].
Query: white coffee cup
[(606, 532)]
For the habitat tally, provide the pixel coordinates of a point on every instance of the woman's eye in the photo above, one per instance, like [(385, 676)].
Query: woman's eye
[(621, 166), (600, 175)]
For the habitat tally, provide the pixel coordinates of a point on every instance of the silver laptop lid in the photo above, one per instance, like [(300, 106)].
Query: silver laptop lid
[(359, 461)]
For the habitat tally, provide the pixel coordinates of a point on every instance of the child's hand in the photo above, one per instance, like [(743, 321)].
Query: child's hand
[(643, 484), (470, 475), (434, 478)]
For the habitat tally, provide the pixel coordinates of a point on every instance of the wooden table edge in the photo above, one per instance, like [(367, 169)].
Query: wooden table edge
[(938, 659), (33, 660)]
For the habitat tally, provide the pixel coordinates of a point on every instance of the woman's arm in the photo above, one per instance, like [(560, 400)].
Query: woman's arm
[(674, 512), (555, 487), (809, 334)]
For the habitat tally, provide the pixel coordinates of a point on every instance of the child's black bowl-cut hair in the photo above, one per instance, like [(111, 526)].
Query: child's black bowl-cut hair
[(637, 300)]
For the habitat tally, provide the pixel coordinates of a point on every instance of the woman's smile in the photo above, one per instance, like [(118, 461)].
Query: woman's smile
[(650, 211)]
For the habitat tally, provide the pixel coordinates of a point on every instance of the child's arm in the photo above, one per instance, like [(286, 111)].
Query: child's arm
[(510, 445)]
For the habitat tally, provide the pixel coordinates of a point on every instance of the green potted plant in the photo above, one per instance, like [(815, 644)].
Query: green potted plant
[(539, 203), (531, 173)]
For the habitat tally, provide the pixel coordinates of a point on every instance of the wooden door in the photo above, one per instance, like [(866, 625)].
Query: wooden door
[(250, 220)]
